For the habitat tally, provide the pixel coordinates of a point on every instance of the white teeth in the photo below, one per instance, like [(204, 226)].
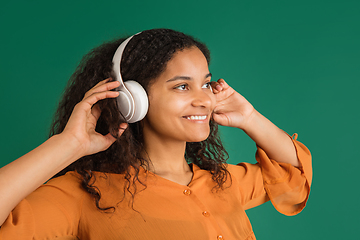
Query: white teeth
[(197, 117)]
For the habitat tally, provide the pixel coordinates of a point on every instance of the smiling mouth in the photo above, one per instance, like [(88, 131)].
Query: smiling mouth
[(194, 117)]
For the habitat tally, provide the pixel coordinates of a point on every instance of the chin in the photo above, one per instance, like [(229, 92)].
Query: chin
[(198, 137)]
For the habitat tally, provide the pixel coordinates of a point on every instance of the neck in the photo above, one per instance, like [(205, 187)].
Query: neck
[(167, 161), (166, 157)]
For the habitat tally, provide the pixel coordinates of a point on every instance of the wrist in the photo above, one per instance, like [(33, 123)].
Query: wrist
[(252, 122), (70, 145)]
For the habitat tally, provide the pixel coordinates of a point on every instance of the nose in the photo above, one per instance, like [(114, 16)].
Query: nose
[(202, 98)]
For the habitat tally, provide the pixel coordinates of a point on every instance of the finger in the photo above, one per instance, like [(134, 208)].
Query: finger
[(102, 86), (123, 126), (219, 109), (120, 130), (106, 87), (97, 96), (223, 84), (110, 139), (220, 119), (215, 86), (219, 86), (96, 111), (103, 81)]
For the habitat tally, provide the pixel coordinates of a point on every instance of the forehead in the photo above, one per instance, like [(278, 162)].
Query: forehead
[(189, 62)]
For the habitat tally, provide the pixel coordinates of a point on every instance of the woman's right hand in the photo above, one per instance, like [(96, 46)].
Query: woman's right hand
[(82, 122), (79, 138)]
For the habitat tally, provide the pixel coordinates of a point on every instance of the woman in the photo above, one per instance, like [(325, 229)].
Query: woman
[(164, 177)]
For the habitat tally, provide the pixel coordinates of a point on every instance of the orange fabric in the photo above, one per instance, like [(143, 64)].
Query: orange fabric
[(60, 209)]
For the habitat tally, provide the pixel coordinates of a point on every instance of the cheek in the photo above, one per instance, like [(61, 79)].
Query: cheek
[(170, 104), (213, 101), (161, 108)]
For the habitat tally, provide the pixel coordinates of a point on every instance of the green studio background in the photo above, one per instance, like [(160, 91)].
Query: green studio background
[(297, 62)]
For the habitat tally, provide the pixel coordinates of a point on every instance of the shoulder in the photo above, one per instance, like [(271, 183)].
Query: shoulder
[(60, 189), (71, 181), (70, 177), (54, 207)]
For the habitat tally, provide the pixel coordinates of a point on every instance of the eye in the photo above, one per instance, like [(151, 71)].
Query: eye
[(207, 85), (182, 87)]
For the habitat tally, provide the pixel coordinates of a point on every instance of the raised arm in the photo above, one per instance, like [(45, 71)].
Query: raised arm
[(234, 110), (79, 138)]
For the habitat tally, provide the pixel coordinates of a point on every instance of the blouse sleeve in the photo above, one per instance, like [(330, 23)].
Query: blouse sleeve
[(50, 212), (286, 186)]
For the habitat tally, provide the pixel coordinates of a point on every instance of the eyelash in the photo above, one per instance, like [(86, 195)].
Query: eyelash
[(180, 87), (208, 85)]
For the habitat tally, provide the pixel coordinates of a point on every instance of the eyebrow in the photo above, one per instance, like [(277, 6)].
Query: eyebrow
[(185, 77)]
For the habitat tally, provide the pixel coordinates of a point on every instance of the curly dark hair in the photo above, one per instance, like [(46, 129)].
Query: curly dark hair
[(144, 59)]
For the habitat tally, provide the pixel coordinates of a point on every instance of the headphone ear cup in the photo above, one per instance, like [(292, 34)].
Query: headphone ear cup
[(140, 99)]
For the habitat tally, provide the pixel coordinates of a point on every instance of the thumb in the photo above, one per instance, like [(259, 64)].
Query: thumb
[(221, 119)]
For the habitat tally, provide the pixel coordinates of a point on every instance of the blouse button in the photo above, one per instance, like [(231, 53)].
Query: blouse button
[(187, 192), (220, 237), (206, 214)]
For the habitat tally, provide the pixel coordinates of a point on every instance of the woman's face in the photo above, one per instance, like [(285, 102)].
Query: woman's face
[(181, 100)]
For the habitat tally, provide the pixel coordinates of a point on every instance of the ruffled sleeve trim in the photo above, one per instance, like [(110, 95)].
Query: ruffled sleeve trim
[(287, 187)]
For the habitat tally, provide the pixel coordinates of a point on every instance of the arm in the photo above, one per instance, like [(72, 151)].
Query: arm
[(234, 110), (287, 187), (274, 141), (79, 138)]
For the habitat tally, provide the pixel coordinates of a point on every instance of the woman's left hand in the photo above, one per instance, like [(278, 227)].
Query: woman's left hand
[(231, 108), (234, 110)]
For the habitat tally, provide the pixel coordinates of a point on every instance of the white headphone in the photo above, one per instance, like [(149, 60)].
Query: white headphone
[(132, 100)]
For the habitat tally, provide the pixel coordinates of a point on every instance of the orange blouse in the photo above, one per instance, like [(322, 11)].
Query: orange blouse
[(61, 209)]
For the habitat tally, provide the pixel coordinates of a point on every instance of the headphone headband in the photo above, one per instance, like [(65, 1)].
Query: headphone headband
[(117, 59)]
